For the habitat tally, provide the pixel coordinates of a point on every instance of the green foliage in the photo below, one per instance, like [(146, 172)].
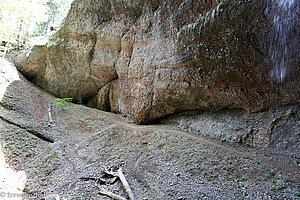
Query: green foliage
[(40, 29), (271, 173), (247, 157), (19, 145), (61, 103), (278, 189), (88, 123), (68, 99), (22, 19), (43, 165)]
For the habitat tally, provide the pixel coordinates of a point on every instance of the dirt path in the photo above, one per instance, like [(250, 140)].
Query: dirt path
[(172, 129)]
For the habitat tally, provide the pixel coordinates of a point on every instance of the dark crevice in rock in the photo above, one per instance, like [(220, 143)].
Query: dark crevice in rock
[(288, 116), (165, 118), (108, 100), (33, 132), (247, 139), (92, 51), (93, 102), (91, 57), (155, 6)]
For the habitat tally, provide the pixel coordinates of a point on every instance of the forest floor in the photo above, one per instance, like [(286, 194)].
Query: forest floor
[(45, 156)]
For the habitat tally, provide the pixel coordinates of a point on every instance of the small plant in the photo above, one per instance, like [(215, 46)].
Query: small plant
[(278, 189), (266, 154), (141, 160), (61, 103), (210, 176), (271, 173), (288, 180), (68, 99), (43, 166), (88, 123), (19, 146), (247, 157), (119, 153), (244, 179), (26, 190), (297, 194)]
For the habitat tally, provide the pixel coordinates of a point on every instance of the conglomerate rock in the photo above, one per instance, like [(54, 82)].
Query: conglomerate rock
[(148, 59)]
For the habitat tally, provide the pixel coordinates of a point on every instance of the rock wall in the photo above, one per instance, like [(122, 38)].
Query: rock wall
[(274, 129), (149, 59)]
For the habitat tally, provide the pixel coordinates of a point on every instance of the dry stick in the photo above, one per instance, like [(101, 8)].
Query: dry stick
[(115, 174), (121, 176), (114, 180), (125, 184), (110, 194), (98, 179), (50, 115)]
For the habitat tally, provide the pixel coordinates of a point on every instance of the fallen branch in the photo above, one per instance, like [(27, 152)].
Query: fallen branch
[(110, 194), (114, 180), (114, 174), (50, 116), (97, 179), (125, 184), (121, 176)]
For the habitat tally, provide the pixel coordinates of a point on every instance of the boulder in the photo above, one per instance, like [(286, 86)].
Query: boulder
[(150, 59)]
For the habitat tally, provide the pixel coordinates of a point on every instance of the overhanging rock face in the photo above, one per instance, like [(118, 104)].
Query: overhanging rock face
[(149, 59)]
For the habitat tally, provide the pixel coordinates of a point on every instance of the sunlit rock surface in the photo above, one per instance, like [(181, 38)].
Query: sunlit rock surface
[(149, 59)]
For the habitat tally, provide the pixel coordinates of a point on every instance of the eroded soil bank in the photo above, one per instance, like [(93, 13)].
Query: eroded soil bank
[(180, 158)]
